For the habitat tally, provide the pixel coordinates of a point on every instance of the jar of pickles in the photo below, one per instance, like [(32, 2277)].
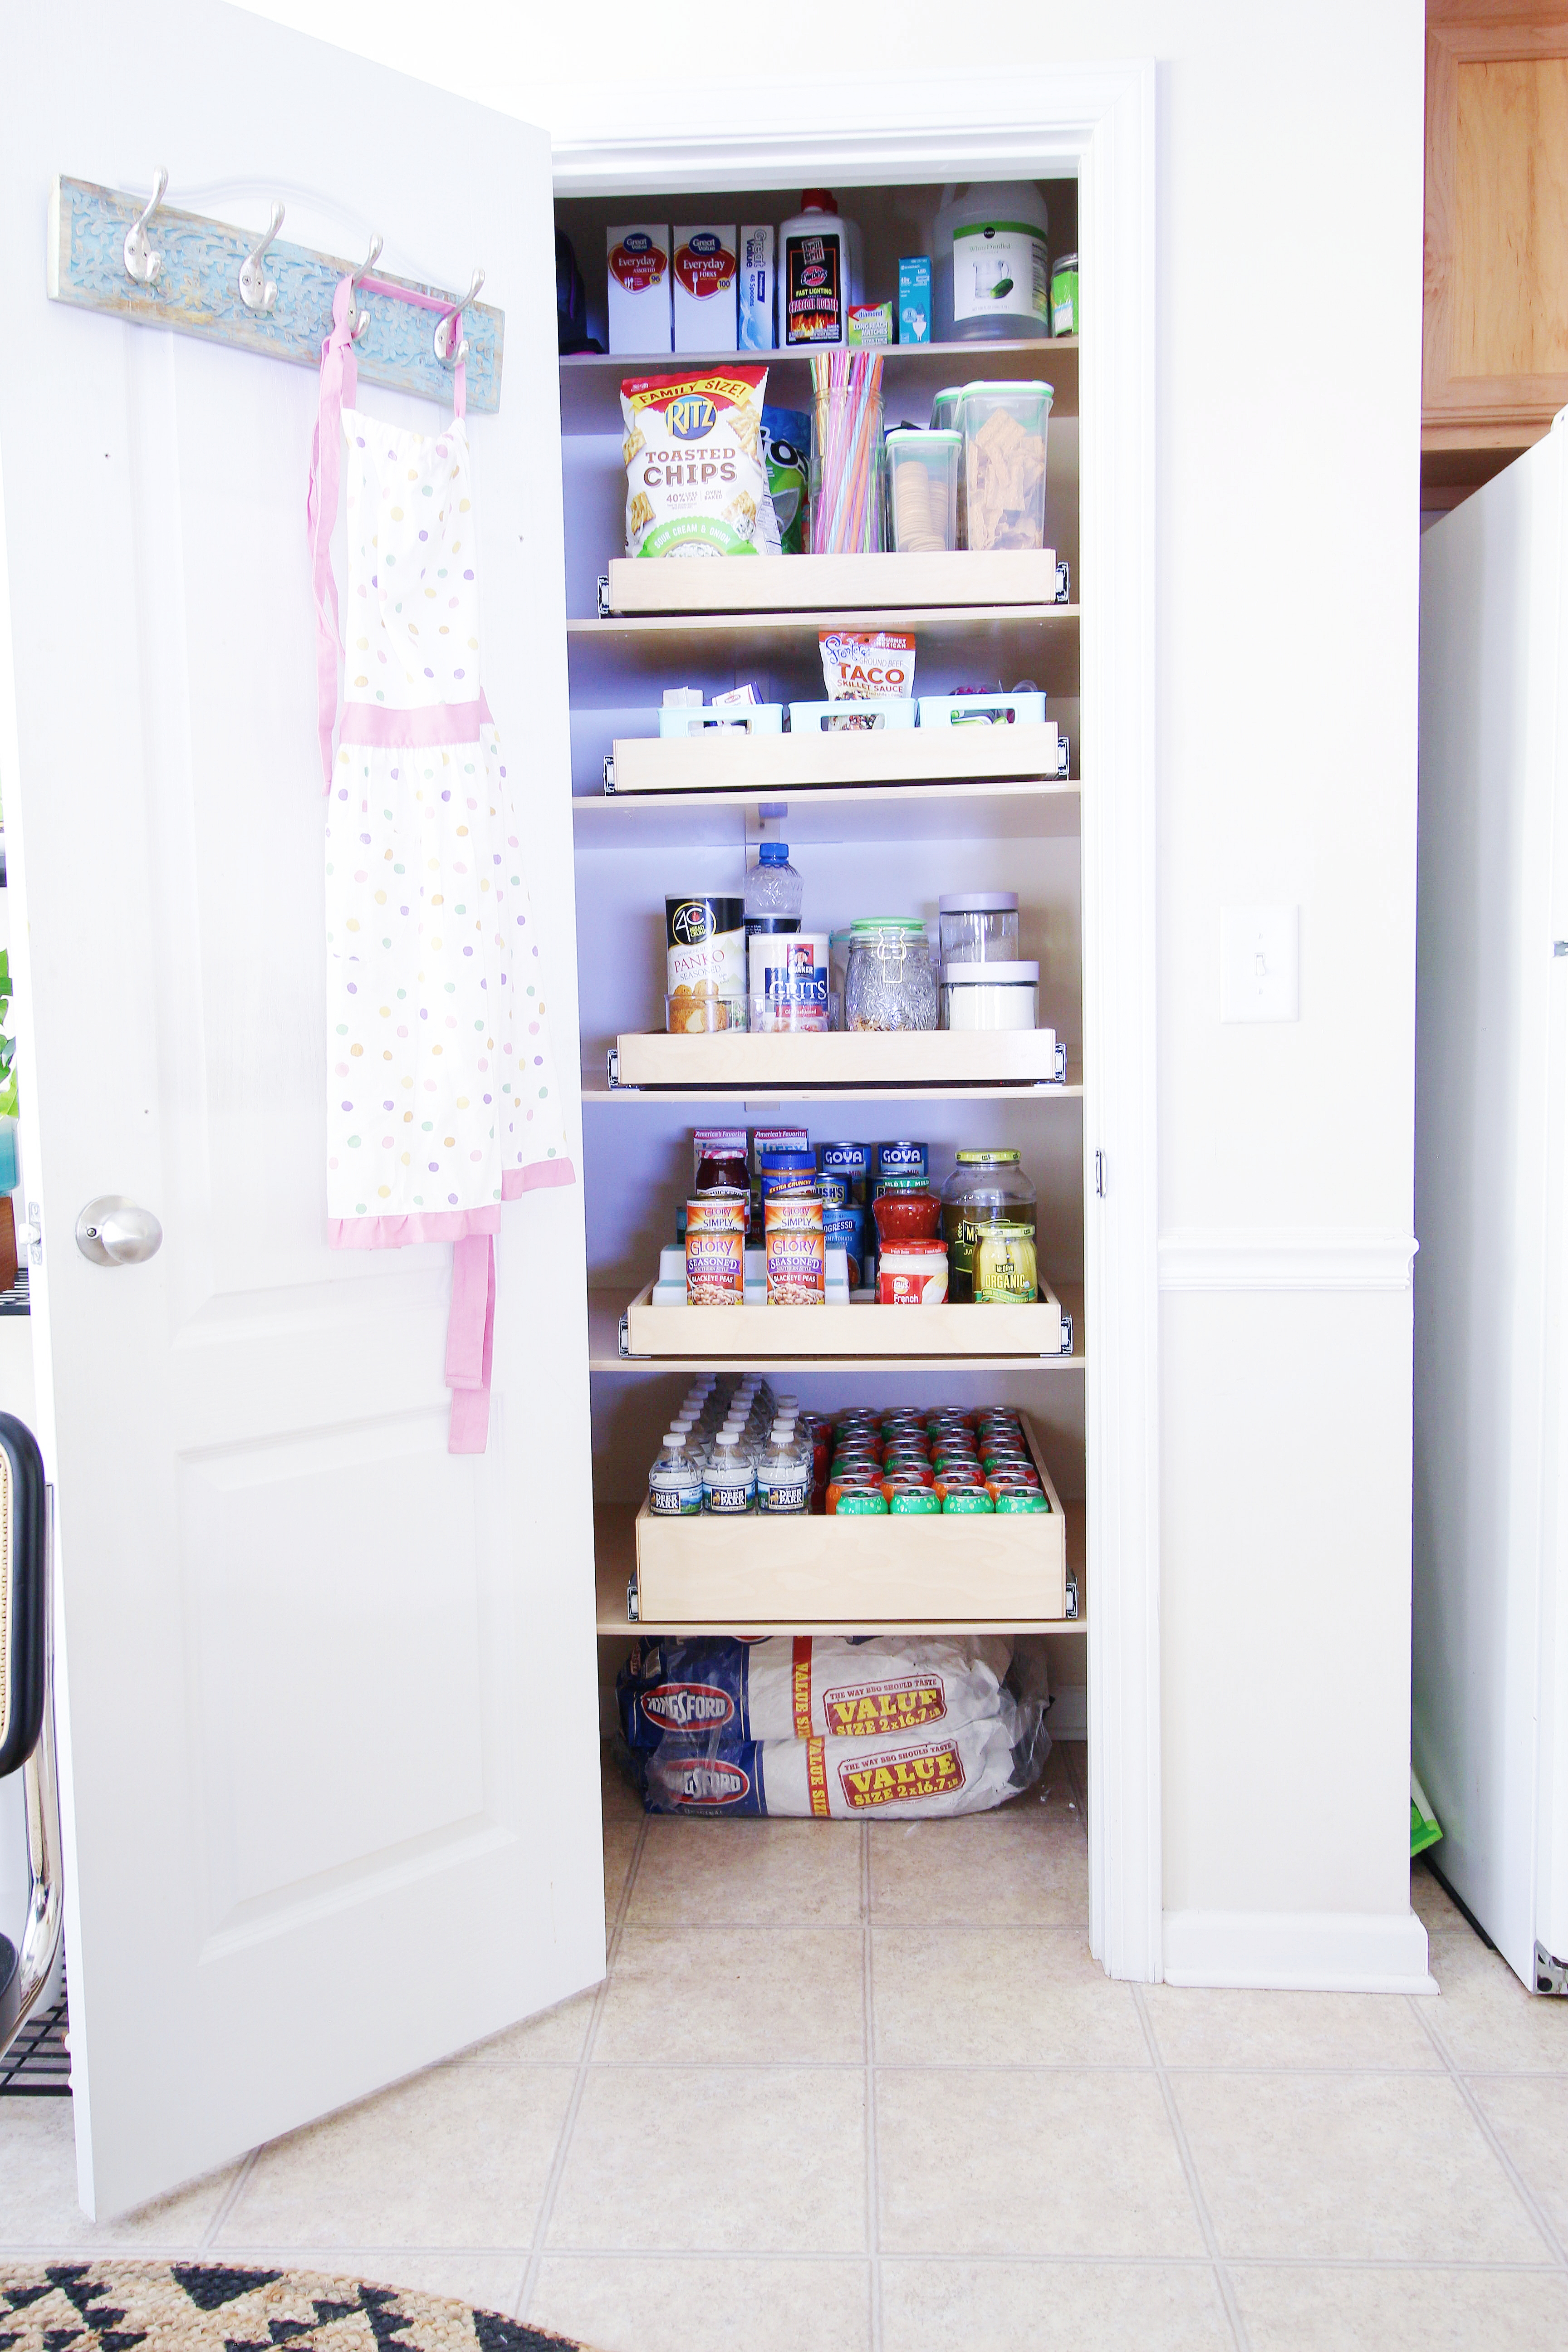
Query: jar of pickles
[(889, 983), (988, 1195)]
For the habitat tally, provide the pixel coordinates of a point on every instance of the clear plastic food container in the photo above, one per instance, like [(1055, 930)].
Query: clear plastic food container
[(696, 1016), (979, 927), (990, 996), (771, 1016), (922, 471), (1004, 428)]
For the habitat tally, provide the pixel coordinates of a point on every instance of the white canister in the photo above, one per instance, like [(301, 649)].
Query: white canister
[(990, 996), (789, 977)]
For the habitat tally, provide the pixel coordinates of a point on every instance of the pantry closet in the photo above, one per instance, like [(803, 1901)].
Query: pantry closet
[(882, 836)]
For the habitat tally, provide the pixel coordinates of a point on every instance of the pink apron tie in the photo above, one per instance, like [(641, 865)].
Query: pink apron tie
[(470, 1317)]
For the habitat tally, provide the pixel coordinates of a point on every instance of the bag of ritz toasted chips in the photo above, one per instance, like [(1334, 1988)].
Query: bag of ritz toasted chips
[(696, 480)]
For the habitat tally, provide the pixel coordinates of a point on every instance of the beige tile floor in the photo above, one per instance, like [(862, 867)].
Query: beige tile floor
[(865, 2089)]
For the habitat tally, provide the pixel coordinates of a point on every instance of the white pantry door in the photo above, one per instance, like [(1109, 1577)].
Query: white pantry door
[(330, 1721)]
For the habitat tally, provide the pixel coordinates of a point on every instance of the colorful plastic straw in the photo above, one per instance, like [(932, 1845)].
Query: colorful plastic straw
[(846, 388)]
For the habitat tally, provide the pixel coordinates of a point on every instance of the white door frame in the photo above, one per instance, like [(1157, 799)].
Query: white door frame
[(1098, 121)]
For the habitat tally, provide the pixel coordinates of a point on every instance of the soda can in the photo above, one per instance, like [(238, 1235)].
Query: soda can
[(965, 1499)]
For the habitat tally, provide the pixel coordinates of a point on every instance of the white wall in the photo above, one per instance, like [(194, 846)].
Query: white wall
[(1290, 259)]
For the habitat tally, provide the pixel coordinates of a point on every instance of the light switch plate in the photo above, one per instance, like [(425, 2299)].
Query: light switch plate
[(1258, 975)]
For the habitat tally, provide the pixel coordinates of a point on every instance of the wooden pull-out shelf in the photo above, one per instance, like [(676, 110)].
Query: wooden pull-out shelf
[(856, 1571), (808, 762), (832, 1333), (805, 584), (736, 1060)]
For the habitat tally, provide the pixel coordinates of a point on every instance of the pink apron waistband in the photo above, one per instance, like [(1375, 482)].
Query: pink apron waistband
[(420, 730)]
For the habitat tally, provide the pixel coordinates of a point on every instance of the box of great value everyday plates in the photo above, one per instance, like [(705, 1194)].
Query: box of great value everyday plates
[(705, 289), (758, 292), (638, 289)]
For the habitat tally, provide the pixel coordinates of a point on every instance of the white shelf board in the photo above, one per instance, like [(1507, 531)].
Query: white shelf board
[(596, 1090), (606, 659), (723, 820), (615, 1557), (605, 1308)]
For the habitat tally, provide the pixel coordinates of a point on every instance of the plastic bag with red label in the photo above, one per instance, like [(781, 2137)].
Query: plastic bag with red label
[(968, 1767), (790, 1688)]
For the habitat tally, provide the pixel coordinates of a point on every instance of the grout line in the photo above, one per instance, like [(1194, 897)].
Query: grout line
[(228, 2201), (1189, 2166), (1417, 2004), (794, 1925), (873, 2176), (573, 2105), (342, 2260)]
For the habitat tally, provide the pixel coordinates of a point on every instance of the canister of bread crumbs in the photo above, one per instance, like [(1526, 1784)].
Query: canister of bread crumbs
[(705, 946)]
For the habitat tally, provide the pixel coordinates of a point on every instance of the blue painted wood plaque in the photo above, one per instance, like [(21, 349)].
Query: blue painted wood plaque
[(197, 292)]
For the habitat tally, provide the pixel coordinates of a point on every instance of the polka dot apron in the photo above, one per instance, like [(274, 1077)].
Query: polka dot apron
[(442, 1098)]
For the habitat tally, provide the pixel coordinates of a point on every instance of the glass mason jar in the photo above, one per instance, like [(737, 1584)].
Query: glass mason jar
[(986, 1188), (889, 983)]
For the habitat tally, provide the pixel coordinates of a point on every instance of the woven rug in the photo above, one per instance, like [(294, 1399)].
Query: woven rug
[(110, 2306)]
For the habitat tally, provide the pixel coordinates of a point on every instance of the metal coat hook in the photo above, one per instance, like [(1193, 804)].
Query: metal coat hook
[(449, 327), (358, 317), (257, 291), (140, 262)]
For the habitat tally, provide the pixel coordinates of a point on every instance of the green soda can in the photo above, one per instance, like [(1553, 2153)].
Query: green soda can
[(960, 1499), (1020, 1499), (860, 1504), (916, 1501)]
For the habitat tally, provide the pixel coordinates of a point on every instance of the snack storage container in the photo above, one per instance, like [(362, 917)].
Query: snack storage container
[(694, 1014), (1023, 709), (979, 927), (990, 996), (1004, 428), (889, 983), (773, 1016), (923, 491)]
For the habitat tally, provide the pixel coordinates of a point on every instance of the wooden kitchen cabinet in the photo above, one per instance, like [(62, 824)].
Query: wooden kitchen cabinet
[(1495, 356)]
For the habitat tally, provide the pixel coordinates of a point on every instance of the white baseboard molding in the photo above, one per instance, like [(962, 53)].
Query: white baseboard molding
[(1304, 1257), (1068, 1717), (1298, 1951)]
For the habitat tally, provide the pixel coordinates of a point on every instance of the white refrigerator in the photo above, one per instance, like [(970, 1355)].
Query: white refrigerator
[(1489, 1723)]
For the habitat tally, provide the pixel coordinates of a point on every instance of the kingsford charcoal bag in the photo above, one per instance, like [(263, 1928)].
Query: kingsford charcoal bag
[(789, 1688), (965, 1768)]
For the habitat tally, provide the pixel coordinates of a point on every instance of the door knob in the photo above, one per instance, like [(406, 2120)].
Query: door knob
[(112, 1230)]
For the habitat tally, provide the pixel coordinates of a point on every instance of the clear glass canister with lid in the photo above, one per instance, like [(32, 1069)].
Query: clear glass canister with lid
[(889, 983), (979, 926), (986, 1190)]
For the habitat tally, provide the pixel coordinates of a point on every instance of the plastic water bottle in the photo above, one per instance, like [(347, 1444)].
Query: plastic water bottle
[(774, 890), (784, 1475), (729, 1481), (675, 1482)]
